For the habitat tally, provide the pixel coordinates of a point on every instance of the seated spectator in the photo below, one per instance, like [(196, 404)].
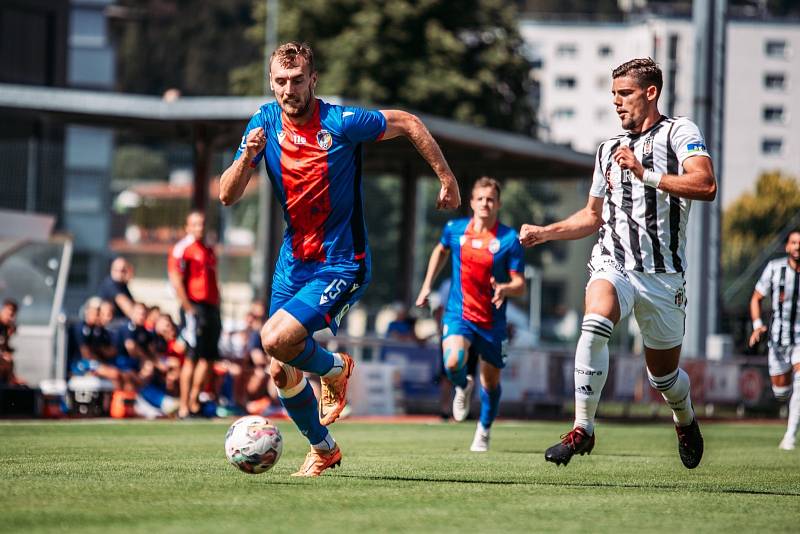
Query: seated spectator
[(134, 351), (261, 390), (161, 390), (8, 326), (402, 327), (153, 313), (96, 350), (114, 288)]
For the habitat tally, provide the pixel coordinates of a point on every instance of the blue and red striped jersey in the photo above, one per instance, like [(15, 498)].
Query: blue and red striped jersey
[(476, 257), (315, 170)]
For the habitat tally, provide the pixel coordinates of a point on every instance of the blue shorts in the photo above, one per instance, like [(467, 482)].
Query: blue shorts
[(317, 294), (488, 343)]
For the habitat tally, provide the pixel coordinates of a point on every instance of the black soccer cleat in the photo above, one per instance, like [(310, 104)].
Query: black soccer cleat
[(574, 441), (690, 444)]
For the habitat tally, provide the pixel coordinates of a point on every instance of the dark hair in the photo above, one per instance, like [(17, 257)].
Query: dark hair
[(792, 231), (12, 303), (485, 181), (644, 70), (287, 54)]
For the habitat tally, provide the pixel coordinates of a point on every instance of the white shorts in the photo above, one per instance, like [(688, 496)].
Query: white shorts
[(658, 300), (782, 359)]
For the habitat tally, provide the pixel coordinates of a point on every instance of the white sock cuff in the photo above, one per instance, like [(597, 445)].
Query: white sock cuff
[(594, 323), (782, 392), (293, 391), (326, 444), (663, 383)]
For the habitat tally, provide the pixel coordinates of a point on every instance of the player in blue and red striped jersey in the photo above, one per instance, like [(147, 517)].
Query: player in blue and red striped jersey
[(488, 266), (312, 152)]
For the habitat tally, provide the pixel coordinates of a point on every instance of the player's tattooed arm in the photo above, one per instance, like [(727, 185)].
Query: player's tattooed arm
[(235, 178), (578, 225), (435, 264), (403, 123), (696, 183)]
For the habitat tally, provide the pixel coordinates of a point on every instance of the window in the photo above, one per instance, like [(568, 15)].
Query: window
[(771, 146), (776, 48), (566, 82), (605, 50), (773, 114), (775, 81), (567, 50), (564, 113)]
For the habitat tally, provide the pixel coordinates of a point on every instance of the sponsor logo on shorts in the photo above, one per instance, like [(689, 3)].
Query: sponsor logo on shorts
[(340, 315), (680, 297), (585, 390)]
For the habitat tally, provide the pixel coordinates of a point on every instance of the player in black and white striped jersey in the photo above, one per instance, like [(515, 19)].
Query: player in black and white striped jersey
[(781, 282), (644, 181)]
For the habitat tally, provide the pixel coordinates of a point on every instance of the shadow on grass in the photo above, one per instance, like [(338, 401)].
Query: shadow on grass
[(681, 487)]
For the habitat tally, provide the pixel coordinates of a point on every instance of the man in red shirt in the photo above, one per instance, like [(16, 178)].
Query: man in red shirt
[(192, 269)]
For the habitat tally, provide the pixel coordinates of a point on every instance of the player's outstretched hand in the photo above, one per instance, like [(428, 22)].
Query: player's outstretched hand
[(449, 197), (531, 235), (755, 337), (255, 142), (625, 158), (422, 298)]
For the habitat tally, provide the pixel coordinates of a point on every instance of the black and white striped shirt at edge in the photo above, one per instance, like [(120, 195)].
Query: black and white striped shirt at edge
[(780, 283), (645, 228)]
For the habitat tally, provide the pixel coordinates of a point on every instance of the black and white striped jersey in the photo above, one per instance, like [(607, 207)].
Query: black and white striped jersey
[(780, 283), (644, 229)]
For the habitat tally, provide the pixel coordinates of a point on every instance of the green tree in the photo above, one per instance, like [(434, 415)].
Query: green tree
[(456, 58), (751, 229), (190, 45)]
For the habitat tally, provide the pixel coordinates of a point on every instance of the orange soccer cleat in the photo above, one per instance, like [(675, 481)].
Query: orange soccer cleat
[(333, 395), (318, 461)]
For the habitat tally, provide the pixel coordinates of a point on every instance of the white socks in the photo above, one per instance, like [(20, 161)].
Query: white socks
[(591, 368), (293, 391), (338, 366), (675, 389), (794, 407)]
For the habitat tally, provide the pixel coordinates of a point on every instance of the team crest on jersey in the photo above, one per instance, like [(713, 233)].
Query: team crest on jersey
[(281, 136), (648, 146), (494, 246), (324, 139)]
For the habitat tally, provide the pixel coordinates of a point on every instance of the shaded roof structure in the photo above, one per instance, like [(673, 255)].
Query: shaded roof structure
[(469, 148), (212, 122)]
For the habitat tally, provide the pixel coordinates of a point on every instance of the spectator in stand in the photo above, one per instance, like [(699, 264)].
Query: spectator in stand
[(162, 390), (153, 313), (96, 349), (259, 386), (192, 270), (402, 328), (114, 288), (134, 349), (8, 326)]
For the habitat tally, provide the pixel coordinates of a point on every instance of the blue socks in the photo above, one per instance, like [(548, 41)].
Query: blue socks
[(490, 402), (302, 408), (458, 376), (313, 358)]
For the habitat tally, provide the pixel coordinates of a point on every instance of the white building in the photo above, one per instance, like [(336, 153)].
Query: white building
[(573, 63)]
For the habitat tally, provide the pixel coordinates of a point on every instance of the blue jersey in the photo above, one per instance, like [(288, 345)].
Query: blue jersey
[(315, 170), (476, 258)]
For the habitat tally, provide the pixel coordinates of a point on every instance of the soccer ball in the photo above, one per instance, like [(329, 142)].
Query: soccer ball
[(253, 444)]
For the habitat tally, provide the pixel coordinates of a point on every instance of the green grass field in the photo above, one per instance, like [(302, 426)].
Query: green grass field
[(165, 476)]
